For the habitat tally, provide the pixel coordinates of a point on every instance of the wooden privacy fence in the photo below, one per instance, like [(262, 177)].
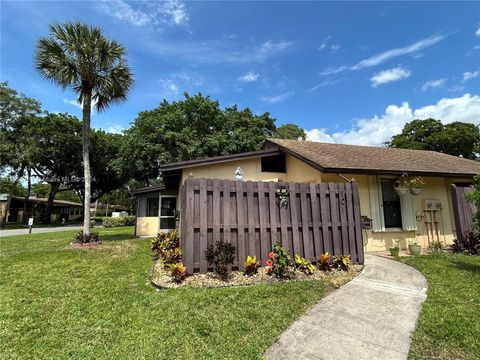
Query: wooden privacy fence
[(318, 218), (463, 210)]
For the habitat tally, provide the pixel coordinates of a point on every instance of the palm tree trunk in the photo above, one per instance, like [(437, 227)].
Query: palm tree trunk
[(25, 214), (87, 104)]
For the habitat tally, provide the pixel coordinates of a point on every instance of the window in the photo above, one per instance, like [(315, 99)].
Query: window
[(274, 163), (152, 207), (392, 212)]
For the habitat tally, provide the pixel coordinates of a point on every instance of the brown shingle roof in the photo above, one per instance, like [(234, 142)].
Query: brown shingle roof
[(338, 157)]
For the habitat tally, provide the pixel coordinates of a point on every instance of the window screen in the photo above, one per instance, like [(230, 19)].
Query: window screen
[(391, 205), (152, 207)]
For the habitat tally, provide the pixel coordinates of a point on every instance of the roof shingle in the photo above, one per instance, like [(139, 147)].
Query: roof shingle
[(339, 157)]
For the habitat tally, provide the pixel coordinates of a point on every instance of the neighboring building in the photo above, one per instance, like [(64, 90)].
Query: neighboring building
[(375, 169), (62, 209)]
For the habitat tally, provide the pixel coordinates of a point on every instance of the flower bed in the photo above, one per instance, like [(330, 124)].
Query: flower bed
[(162, 278)]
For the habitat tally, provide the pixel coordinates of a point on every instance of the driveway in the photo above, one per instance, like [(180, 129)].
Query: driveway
[(11, 232), (371, 317)]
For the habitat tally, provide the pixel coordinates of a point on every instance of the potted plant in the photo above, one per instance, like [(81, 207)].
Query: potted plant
[(415, 185), (400, 186), (414, 248), (395, 249)]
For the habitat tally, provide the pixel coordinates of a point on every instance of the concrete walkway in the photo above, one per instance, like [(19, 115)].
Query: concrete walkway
[(12, 232), (371, 317)]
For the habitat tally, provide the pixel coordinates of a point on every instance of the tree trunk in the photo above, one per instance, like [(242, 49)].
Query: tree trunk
[(47, 216), (29, 190), (10, 195), (87, 104)]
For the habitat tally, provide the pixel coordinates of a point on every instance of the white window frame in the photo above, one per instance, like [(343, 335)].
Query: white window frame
[(160, 217)]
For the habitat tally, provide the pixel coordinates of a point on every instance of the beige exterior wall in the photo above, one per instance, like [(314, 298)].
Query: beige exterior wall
[(225, 171), (436, 188), (147, 226)]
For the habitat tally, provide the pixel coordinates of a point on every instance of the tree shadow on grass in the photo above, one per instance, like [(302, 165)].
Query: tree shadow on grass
[(475, 268), (117, 237)]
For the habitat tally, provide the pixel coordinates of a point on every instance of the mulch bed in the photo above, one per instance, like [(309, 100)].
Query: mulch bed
[(162, 279), (84, 245)]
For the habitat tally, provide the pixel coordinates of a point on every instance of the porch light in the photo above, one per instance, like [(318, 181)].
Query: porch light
[(283, 195)]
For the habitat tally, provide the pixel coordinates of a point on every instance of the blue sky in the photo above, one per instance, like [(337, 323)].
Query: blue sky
[(346, 72)]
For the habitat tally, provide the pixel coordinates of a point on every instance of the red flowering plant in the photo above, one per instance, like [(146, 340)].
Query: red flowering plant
[(278, 262)]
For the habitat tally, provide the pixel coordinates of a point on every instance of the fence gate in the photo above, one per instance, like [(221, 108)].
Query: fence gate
[(315, 218), (463, 211)]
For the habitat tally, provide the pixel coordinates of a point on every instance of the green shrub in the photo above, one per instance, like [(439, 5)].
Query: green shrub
[(325, 262), (111, 222), (250, 267), (80, 238), (341, 262), (304, 265), (470, 245), (436, 247), (166, 247), (220, 255), (92, 223), (178, 272), (278, 263)]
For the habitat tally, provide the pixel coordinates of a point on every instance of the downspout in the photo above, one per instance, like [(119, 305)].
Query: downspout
[(345, 178)]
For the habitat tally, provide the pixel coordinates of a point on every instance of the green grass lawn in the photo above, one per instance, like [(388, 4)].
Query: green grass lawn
[(63, 303), (449, 325)]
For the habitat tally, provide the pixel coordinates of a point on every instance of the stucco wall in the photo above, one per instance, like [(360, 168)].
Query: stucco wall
[(147, 226), (436, 188), (226, 171)]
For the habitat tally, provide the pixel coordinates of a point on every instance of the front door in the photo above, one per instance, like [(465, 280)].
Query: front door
[(168, 206)]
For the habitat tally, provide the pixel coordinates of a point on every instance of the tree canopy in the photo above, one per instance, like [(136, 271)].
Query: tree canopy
[(290, 131), (456, 138), (194, 127)]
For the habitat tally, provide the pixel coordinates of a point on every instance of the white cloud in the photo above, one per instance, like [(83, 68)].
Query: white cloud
[(477, 33), (277, 98), (327, 45), (380, 58), (328, 82), (377, 130), (218, 52), (433, 84), (319, 135), (73, 103), (115, 129), (390, 75), (171, 12), (470, 75), (79, 105), (249, 77)]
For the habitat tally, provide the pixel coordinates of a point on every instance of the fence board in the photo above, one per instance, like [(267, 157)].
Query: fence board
[(318, 218)]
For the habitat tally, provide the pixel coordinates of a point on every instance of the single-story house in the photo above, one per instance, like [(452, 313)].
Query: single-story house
[(62, 209), (425, 218)]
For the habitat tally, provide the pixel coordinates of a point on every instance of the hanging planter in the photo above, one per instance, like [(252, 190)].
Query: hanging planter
[(415, 185), (400, 187), (415, 192)]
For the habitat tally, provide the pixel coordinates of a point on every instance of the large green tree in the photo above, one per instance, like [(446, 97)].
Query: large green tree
[(16, 113), (81, 58), (56, 156), (457, 138), (194, 127), (290, 131)]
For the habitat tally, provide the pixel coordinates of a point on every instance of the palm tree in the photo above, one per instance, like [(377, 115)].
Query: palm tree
[(79, 57)]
